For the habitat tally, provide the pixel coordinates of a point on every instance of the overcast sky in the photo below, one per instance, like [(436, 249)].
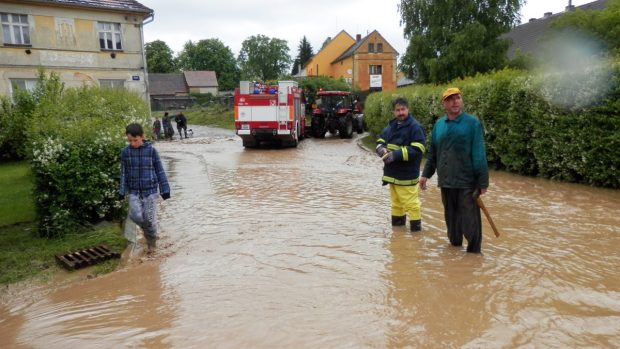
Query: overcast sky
[(233, 21)]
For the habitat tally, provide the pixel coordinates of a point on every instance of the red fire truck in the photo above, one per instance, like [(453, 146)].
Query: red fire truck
[(269, 113)]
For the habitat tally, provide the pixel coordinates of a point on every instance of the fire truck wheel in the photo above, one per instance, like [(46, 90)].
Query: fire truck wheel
[(300, 134), (249, 144)]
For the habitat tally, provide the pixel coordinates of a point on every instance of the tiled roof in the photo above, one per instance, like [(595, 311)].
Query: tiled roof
[(351, 50), (526, 37), (125, 5), (201, 78), (167, 84), (327, 42)]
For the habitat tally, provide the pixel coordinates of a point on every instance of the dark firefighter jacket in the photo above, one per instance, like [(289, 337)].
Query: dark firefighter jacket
[(457, 153), (406, 140)]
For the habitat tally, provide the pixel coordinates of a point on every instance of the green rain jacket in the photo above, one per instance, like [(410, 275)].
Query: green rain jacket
[(457, 153)]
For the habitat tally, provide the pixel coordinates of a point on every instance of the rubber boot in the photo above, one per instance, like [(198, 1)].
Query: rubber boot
[(416, 225), (151, 243), (399, 220)]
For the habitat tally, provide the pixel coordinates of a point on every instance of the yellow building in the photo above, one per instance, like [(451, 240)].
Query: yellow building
[(367, 63), (83, 41)]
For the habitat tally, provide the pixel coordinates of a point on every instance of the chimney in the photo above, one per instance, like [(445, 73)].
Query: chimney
[(548, 14), (358, 37), (570, 6)]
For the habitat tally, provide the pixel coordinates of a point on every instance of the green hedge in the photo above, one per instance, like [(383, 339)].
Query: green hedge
[(73, 140), (563, 126)]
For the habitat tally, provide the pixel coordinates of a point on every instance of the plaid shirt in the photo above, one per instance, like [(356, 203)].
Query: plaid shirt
[(142, 171)]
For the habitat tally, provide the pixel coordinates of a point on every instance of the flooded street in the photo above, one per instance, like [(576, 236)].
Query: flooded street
[(293, 248)]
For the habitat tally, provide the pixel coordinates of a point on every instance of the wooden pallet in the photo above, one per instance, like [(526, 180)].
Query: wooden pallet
[(87, 256)]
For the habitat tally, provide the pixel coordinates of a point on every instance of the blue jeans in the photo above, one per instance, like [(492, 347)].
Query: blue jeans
[(143, 212)]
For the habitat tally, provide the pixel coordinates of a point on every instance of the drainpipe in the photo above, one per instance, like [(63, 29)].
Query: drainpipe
[(148, 19), (353, 70)]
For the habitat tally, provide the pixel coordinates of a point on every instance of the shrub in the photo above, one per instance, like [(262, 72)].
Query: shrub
[(75, 139), (16, 116)]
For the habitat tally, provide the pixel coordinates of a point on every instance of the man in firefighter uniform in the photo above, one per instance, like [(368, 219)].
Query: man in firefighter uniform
[(401, 146)]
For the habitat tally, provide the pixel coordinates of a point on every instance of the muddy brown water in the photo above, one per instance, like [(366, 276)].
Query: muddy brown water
[(293, 248)]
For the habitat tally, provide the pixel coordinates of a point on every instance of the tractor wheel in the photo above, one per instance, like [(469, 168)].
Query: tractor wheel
[(347, 129), (318, 127), (360, 125)]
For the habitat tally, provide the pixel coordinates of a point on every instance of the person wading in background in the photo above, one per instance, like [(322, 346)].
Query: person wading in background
[(181, 121), (458, 154)]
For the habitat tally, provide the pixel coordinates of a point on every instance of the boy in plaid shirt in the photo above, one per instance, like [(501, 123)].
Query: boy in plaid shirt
[(141, 175)]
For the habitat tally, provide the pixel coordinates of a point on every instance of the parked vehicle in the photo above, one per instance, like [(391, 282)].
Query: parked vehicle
[(337, 113), (269, 113)]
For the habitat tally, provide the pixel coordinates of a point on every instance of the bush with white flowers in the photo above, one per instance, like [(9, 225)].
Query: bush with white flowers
[(75, 139)]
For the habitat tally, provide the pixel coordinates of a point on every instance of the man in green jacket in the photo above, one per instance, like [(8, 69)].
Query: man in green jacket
[(458, 154)]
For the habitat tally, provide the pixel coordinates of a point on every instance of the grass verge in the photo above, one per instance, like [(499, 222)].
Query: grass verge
[(23, 254), (370, 142), (211, 116), (16, 204)]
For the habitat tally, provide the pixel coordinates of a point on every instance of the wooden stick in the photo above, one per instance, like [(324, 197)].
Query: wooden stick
[(488, 215)]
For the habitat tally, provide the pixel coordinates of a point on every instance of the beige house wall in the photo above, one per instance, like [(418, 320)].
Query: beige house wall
[(343, 69), (363, 59), (65, 40)]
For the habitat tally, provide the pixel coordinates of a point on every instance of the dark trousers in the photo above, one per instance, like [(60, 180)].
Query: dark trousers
[(462, 217), (184, 128)]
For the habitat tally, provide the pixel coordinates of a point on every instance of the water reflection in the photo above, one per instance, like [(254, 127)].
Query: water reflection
[(293, 248), (132, 308)]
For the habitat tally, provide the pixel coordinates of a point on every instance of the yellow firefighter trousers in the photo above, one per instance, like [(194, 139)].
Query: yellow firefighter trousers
[(405, 200)]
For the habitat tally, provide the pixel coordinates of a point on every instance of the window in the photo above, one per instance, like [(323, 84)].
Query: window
[(15, 29), (379, 47), (110, 36), (23, 84), (374, 69), (112, 83), (371, 47)]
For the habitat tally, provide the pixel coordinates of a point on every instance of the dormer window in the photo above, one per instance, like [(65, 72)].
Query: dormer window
[(110, 36), (15, 29)]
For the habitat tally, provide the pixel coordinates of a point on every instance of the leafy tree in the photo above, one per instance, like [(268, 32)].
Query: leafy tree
[(263, 58), (304, 53), (211, 54), (603, 24), (159, 57), (450, 39)]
